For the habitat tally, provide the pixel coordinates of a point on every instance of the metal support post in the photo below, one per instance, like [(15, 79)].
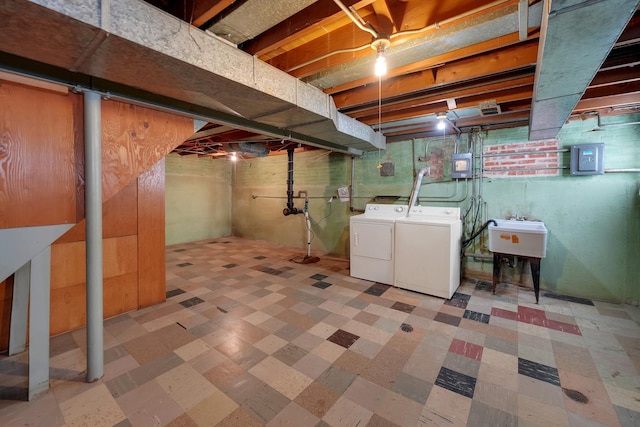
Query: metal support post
[(93, 208)]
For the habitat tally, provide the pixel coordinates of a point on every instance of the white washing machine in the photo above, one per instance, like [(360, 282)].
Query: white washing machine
[(372, 241), (427, 249)]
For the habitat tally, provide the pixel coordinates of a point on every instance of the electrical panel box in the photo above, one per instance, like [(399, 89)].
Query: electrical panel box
[(587, 159), (461, 165)]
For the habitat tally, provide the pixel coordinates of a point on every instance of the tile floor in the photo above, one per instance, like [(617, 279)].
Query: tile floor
[(248, 338)]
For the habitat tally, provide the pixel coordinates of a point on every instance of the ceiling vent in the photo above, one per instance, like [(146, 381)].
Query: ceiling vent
[(489, 108)]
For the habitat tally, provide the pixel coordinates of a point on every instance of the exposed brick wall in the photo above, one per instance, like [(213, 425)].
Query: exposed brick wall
[(527, 159)]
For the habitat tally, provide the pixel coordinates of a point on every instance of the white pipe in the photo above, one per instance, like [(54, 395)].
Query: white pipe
[(354, 19), (93, 208)]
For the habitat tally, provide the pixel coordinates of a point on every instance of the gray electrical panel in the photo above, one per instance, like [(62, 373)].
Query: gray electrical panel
[(587, 159), (461, 165)]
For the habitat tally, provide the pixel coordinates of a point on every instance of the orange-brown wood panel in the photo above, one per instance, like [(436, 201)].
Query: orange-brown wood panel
[(119, 217), (151, 236), (37, 161), (135, 138), (68, 281), (6, 295)]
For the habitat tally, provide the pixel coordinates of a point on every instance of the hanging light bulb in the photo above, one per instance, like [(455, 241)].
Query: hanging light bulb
[(442, 117), (381, 64), (379, 45)]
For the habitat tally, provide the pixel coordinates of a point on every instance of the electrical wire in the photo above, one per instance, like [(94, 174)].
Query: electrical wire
[(315, 224)]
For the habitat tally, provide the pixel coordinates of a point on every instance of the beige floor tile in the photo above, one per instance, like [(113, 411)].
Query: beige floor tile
[(186, 386), (540, 414), (95, 407), (281, 377), (445, 407), (346, 413), (192, 349), (212, 410)]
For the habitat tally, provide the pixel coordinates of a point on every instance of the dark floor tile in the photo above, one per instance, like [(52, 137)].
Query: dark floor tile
[(400, 306), (568, 298), (61, 344), (538, 371), (249, 357), (458, 300), (478, 317), (321, 285), (343, 338), (184, 264), (484, 286), (290, 354), (230, 265), (121, 384), (411, 387), (259, 257), (124, 423), (288, 332), (448, 319), (155, 368), (336, 379), (318, 277), (179, 250), (627, 417), (377, 289), (191, 302), (377, 421), (243, 387), (265, 403), (484, 415), (174, 292), (456, 382), (114, 353), (318, 313)]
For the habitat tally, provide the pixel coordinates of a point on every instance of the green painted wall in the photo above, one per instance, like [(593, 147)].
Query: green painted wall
[(260, 195), (593, 221), (198, 198)]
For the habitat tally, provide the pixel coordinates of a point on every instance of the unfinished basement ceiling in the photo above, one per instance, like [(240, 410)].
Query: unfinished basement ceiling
[(487, 64)]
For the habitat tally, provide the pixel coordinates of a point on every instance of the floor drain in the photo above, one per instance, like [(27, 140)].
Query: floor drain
[(406, 327), (576, 395)]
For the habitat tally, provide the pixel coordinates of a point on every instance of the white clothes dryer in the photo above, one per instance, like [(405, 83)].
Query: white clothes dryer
[(372, 242), (427, 250)]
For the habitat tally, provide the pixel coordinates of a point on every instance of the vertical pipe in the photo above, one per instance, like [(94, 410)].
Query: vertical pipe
[(93, 208)]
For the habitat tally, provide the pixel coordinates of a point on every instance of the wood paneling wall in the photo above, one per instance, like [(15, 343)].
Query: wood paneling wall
[(42, 183), (37, 161), (151, 236)]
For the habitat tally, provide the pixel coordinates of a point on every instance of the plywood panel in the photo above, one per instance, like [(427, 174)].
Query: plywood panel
[(6, 295), (134, 139), (68, 281), (37, 161), (151, 240), (119, 217)]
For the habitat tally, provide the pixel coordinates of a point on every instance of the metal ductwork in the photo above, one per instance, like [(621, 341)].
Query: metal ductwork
[(253, 18), (576, 37), (253, 149), (131, 49)]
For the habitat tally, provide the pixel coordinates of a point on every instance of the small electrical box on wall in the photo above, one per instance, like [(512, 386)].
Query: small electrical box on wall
[(587, 159), (461, 165)]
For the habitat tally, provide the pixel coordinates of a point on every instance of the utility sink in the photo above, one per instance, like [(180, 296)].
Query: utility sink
[(522, 238)]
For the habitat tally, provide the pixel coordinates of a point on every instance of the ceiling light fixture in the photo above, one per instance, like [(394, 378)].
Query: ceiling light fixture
[(442, 117), (380, 45), (234, 157)]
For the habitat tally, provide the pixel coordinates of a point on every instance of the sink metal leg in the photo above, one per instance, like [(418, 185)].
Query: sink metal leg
[(496, 271), (535, 274)]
